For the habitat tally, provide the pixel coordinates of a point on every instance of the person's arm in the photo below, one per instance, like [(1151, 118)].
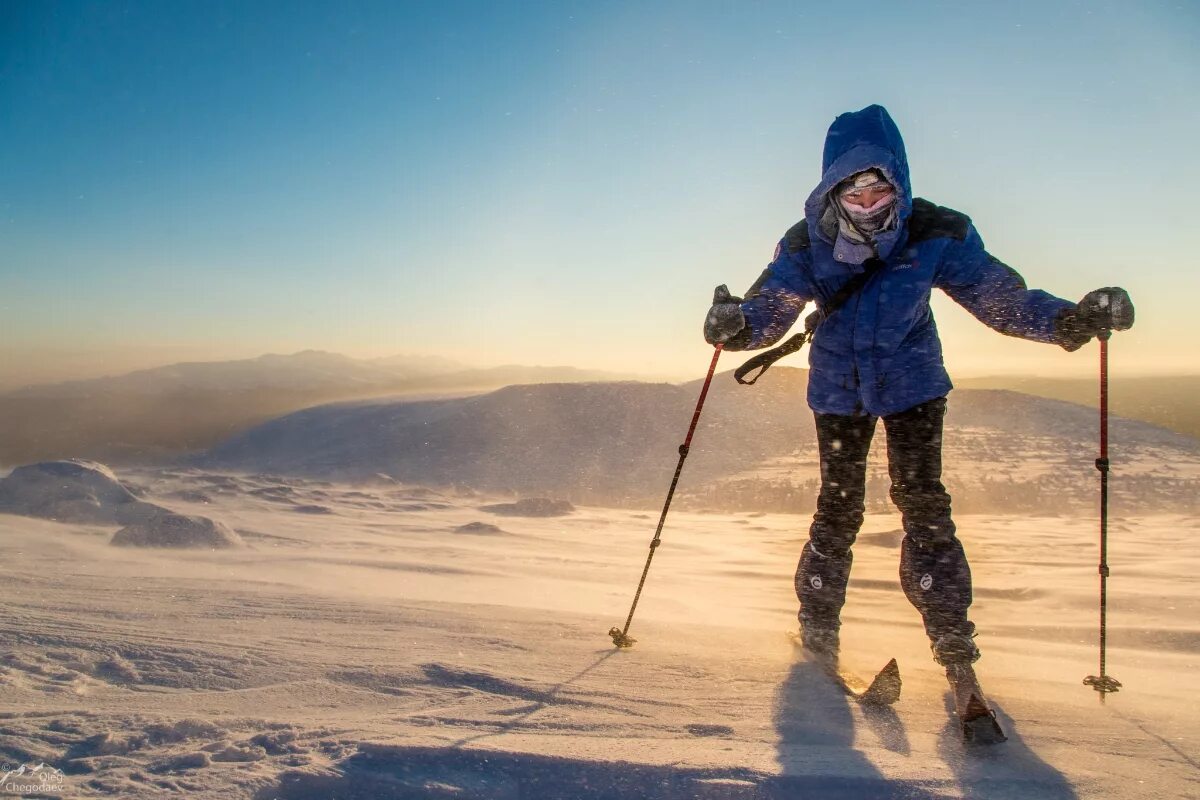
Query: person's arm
[(996, 294)]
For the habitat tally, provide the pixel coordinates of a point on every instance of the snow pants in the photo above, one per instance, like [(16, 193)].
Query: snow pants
[(933, 567)]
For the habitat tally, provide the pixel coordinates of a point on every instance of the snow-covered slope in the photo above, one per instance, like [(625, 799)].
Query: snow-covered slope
[(390, 647), (615, 443), (1167, 400)]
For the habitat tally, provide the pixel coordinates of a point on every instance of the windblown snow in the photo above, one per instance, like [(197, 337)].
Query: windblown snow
[(383, 639)]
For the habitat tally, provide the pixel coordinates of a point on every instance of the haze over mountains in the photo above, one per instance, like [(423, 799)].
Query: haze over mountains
[(577, 434), (156, 413), (615, 444), (1172, 401)]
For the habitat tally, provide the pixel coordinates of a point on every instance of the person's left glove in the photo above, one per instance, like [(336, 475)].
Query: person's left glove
[(725, 319), (1107, 309)]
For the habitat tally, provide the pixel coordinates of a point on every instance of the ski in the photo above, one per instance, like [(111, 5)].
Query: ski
[(884, 690), (977, 720)]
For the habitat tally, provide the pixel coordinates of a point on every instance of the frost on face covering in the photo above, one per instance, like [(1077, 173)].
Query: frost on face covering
[(875, 217), (859, 210)]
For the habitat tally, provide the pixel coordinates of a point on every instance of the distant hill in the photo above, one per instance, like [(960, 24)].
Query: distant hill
[(596, 442), (615, 444), (1172, 401), (162, 412)]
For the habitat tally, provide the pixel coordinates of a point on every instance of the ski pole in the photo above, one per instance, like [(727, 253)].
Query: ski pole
[(619, 636), (1103, 683)]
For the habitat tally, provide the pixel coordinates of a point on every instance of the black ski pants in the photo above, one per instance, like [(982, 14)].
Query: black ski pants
[(933, 567)]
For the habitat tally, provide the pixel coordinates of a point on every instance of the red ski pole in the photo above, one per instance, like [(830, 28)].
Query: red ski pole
[(620, 636), (1103, 683)]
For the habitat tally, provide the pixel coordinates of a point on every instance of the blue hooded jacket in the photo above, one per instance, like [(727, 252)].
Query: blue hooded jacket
[(879, 353)]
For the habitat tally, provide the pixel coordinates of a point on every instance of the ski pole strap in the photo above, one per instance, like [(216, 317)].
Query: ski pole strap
[(763, 361)]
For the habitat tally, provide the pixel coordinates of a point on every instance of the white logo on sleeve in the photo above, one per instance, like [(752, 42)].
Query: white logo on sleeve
[(926, 582), (816, 582)]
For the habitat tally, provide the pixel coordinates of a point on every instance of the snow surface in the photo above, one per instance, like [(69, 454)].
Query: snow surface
[(401, 646), (176, 530)]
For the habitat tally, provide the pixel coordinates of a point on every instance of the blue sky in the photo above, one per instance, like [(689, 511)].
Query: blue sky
[(559, 182)]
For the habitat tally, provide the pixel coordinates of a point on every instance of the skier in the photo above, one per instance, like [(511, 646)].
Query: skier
[(877, 356)]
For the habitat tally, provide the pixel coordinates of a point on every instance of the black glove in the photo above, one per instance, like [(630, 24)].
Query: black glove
[(1107, 309), (725, 319)]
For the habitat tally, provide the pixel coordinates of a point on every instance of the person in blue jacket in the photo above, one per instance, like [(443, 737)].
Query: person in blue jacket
[(877, 356)]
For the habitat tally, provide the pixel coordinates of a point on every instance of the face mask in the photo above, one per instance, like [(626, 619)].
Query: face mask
[(867, 185)]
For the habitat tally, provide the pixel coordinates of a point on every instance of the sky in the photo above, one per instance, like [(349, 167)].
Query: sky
[(560, 183)]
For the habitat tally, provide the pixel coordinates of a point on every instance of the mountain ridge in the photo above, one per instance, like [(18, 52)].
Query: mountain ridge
[(616, 444), (161, 412)]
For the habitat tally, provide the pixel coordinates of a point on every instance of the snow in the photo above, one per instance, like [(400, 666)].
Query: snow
[(176, 530), (531, 507), (74, 490), (71, 489), (381, 651)]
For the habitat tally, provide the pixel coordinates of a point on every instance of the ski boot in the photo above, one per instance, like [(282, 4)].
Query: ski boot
[(820, 646)]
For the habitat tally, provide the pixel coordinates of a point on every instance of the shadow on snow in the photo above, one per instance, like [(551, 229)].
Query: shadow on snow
[(1008, 771), (815, 724), (807, 717), (380, 772)]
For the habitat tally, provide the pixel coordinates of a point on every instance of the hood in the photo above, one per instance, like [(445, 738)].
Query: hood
[(859, 140)]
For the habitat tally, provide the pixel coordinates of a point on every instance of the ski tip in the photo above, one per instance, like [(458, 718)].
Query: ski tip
[(885, 689), (983, 731), (979, 725)]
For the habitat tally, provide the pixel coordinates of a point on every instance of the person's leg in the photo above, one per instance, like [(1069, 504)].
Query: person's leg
[(933, 567), (824, 567)]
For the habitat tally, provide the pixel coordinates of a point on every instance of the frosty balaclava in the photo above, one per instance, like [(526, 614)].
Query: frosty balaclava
[(857, 226)]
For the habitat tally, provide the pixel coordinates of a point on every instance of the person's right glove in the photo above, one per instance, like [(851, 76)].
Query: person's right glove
[(1107, 309), (725, 319)]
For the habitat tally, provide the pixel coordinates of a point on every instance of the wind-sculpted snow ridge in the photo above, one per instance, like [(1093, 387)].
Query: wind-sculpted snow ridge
[(481, 528), (531, 507), (72, 490), (176, 530), (87, 492)]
